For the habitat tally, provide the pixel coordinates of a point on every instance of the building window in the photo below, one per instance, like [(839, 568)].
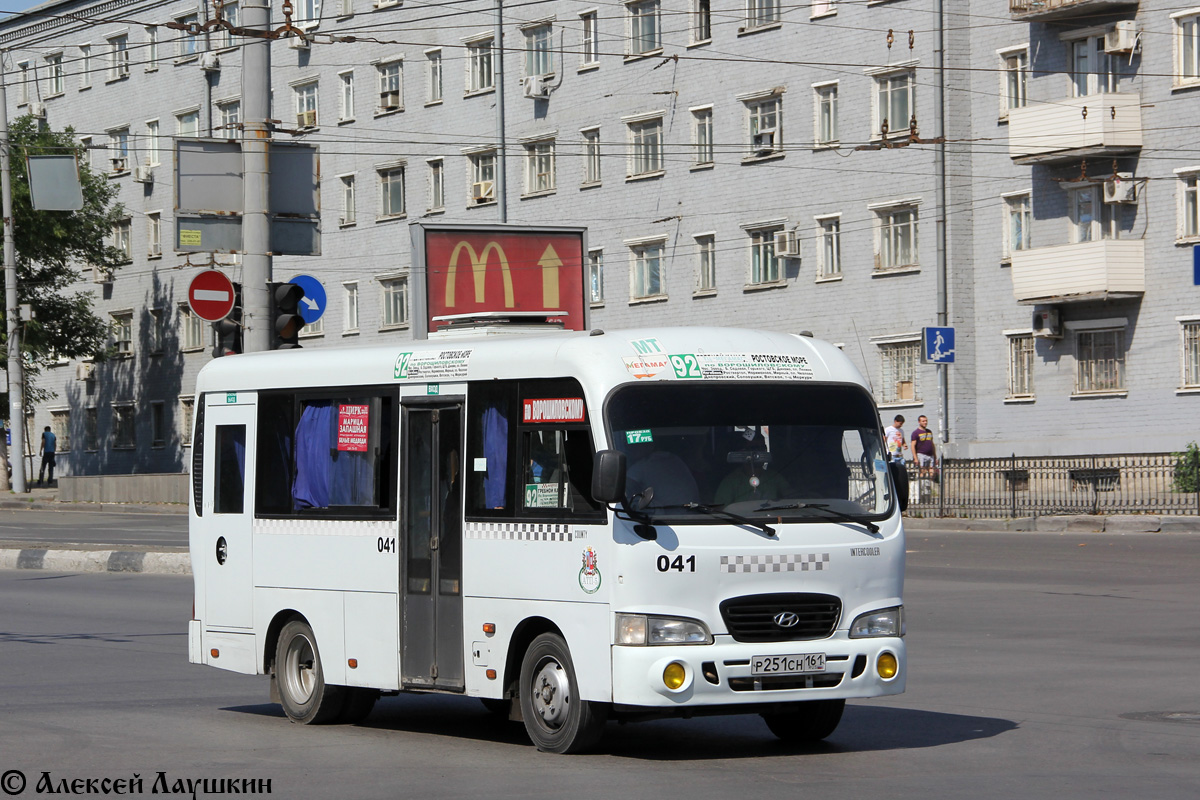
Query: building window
[(1020, 366), (1100, 361), (192, 328), (231, 13), (123, 427), (91, 429), (187, 43), (187, 413), (188, 124), (118, 149), (151, 49), (538, 51), (1092, 69), (645, 140), (60, 425), (701, 21), (539, 167), (350, 308), (390, 98), (307, 13), (896, 237), (822, 8), (483, 177), (895, 105), (312, 329), (829, 253), (55, 75), (152, 145), (437, 185), (1189, 204), (391, 192), (766, 135), (1090, 219), (898, 362), (349, 213), (645, 274), (1187, 46), (479, 66), (702, 135), (85, 66), (85, 142), (1191, 354), (158, 423), (761, 12), (1018, 221), (764, 263), (706, 264), (433, 63), (121, 239), (345, 96), (118, 57), (596, 276), (122, 328), (591, 156), (23, 93), (306, 105), (590, 45), (826, 100), (154, 234), (229, 115), (158, 332), (395, 302), (645, 32), (1014, 77)]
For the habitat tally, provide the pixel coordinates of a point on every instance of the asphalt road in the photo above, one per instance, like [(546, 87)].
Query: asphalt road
[(1041, 666), (110, 530)]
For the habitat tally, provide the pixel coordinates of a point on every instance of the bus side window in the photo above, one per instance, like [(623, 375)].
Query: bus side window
[(488, 448), (558, 469), (230, 465)]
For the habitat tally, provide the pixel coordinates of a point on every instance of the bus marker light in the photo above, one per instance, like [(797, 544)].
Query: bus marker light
[(887, 666), (215, 653), (352, 663), (674, 675), (489, 628), (491, 674)]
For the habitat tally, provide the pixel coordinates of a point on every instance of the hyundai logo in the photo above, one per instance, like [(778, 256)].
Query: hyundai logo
[(786, 619)]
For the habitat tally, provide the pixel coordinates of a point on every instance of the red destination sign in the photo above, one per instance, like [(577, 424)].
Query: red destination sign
[(353, 425), (553, 409), (520, 271), (210, 294)]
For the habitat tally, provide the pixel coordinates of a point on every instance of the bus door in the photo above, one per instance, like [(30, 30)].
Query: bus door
[(229, 466), (431, 568)]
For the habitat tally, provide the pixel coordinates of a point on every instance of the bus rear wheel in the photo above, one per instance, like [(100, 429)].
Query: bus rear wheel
[(303, 693), (807, 722), (557, 718)]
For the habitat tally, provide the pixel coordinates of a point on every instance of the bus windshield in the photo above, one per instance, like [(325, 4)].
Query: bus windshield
[(787, 451)]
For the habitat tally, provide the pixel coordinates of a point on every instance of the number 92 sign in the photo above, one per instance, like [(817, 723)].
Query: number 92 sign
[(686, 366)]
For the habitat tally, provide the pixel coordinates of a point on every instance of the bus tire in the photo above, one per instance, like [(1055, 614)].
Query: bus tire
[(807, 722), (556, 718), (303, 693), (497, 706), (357, 704)]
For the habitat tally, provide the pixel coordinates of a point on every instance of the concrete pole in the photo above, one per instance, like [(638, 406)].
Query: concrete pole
[(501, 147), (940, 158), (16, 378), (256, 227)]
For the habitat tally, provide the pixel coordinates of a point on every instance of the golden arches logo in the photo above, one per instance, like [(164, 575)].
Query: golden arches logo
[(549, 262)]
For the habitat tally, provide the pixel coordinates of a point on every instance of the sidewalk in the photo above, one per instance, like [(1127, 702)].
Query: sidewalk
[(45, 498), (1067, 523)]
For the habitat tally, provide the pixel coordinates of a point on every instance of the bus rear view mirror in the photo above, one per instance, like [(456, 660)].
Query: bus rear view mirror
[(900, 478), (608, 476)]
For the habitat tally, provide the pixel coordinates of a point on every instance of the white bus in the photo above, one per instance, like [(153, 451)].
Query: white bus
[(573, 527)]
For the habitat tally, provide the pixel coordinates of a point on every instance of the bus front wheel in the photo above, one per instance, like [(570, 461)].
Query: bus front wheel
[(303, 693), (807, 722), (556, 718)]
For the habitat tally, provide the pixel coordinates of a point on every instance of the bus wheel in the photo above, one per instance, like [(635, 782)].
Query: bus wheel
[(806, 722), (557, 719), (357, 705), (303, 693)]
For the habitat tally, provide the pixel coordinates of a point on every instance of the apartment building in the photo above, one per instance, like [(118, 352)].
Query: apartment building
[(685, 135)]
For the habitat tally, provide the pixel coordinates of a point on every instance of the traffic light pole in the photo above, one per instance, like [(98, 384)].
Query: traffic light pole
[(16, 380), (256, 226)]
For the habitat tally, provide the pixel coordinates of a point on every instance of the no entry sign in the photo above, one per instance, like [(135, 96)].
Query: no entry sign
[(210, 295)]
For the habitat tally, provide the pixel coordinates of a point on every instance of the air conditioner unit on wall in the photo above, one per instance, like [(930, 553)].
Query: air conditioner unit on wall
[(306, 119), (536, 86), (297, 43), (85, 371), (483, 191), (143, 174), (1123, 38), (1120, 188), (37, 109), (1047, 323), (787, 244)]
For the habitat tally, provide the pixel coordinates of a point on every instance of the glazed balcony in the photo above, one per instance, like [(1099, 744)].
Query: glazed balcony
[(1110, 269), (1107, 124), (1030, 10)]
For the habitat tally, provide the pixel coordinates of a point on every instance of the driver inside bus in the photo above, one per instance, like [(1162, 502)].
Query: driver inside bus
[(659, 468), (751, 479)]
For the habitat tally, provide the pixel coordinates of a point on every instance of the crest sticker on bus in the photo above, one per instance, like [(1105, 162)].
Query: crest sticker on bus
[(589, 573)]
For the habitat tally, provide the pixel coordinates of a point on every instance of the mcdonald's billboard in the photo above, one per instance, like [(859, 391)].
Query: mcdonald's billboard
[(500, 268)]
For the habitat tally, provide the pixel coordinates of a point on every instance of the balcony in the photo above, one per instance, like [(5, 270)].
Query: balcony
[(1108, 124), (1031, 10), (1111, 269)]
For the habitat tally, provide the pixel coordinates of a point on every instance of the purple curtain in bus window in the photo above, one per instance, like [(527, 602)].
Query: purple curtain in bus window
[(495, 449), (314, 436), (353, 480), (239, 450)]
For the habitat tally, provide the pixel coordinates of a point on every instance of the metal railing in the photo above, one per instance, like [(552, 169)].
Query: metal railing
[(1029, 6), (1017, 486)]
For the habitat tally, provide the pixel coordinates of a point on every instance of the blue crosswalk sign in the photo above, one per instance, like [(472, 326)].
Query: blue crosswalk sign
[(312, 305), (937, 345)]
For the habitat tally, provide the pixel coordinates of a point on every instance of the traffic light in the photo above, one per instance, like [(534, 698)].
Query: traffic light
[(227, 333), (288, 321)]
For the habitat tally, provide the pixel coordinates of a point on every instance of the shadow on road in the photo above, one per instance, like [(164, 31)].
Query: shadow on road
[(864, 728)]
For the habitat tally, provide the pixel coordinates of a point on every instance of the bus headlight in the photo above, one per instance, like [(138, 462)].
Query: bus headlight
[(885, 622), (642, 629)]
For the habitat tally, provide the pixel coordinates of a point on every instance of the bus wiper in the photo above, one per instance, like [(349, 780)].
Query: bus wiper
[(720, 512), (825, 509)]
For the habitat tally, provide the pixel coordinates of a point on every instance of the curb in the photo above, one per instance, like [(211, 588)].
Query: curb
[(62, 505), (1078, 523), (97, 561)]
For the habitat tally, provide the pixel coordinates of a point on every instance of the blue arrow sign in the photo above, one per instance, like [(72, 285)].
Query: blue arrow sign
[(312, 305), (938, 345)]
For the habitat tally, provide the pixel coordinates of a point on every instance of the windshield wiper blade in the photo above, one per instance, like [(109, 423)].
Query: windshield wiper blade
[(825, 509), (719, 512)]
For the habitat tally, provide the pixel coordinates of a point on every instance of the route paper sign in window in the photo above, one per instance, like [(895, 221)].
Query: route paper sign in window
[(353, 427), (553, 409)]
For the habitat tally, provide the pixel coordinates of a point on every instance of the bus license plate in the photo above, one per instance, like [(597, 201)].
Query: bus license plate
[(799, 664)]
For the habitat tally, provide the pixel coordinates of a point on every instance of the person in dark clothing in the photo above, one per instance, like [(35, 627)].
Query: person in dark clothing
[(47, 451)]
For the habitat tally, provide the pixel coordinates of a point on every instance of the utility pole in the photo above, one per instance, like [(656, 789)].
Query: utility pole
[(16, 379), (256, 225), (940, 159), (501, 161)]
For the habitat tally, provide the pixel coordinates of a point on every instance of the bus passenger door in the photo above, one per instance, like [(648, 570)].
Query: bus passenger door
[(431, 630), (228, 500)]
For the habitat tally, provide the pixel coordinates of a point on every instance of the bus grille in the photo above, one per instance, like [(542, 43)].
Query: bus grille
[(753, 618), (772, 683)]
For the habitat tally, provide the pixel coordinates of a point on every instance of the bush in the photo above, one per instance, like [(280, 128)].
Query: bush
[(1187, 469)]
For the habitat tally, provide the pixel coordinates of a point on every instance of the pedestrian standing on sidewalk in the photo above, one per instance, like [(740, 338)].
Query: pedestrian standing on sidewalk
[(893, 437), (923, 449), (47, 450)]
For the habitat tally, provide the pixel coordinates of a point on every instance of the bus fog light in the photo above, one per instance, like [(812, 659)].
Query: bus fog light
[(674, 675), (887, 666), (884, 622)]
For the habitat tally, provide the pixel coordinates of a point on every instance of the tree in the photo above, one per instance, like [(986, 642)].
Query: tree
[(51, 248)]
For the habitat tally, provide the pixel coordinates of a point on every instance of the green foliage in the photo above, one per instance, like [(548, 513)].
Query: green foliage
[(1187, 469)]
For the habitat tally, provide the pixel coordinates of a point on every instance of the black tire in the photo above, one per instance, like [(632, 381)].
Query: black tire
[(807, 722), (556, 718), (357, 704), (300, 680)]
